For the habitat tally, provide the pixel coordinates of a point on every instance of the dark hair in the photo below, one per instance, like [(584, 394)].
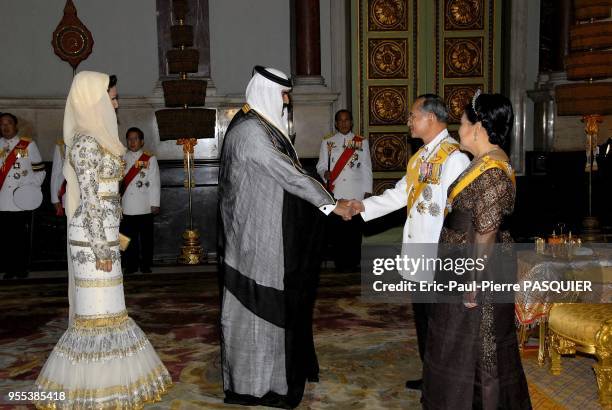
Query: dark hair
[(112, 81), (11, 116), (137, 130), (494, 112), (350, 114), (434, 104)]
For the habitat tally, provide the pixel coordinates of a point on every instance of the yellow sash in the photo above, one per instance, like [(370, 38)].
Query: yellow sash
[(487, 163), (415, 184)]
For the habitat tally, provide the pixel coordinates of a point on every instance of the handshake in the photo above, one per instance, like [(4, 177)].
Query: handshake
[(348, 208)]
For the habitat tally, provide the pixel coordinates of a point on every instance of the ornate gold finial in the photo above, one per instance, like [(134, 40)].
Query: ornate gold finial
[(188, 144), (591, 129)]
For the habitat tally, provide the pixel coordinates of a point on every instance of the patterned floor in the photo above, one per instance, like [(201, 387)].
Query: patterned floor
[(366, 351)]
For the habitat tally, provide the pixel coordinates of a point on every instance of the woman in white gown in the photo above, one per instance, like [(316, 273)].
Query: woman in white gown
[(103, 360)]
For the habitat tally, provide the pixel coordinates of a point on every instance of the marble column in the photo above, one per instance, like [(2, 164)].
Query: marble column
[(566, 19), (522, 74), (307, 42)]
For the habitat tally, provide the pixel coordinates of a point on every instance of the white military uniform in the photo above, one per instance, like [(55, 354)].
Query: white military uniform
[(28, 169), (356, 178), (57, 174), (425, 218), (144, 190)]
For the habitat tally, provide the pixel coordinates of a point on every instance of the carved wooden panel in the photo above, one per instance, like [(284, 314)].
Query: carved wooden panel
[(380, 185), (390, 151), (388, 58), (457, 97), (463, 14), (388, 105), (463, 57), (387, 15)]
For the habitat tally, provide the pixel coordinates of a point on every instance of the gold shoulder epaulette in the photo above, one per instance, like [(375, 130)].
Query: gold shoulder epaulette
[(246, 108), (449, 147), (149, 153), (328, 135), (29, 139), (59, 141)]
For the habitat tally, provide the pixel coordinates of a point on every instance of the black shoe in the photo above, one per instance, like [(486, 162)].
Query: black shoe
[(414, 384), (145, 270)]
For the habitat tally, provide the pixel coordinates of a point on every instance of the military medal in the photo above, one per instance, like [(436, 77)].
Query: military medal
[(425, 171), (421, 207), (427, 193), (354, 159), (434, 209)]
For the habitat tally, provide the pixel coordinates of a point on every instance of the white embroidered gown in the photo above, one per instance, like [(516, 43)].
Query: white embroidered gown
[(103, 360)]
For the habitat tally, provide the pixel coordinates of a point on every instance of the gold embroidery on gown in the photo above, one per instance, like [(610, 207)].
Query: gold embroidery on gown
[(104, 360)]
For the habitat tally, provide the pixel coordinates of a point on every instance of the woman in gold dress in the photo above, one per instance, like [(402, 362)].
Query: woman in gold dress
[(472, 359), (103, 360)]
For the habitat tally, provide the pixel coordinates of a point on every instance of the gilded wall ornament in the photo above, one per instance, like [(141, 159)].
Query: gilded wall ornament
[(390, 151), (457, 97), (386, 15), (388, 58), (388, 105), (463, 15), (71, 40), (380, 185), (463, 57)]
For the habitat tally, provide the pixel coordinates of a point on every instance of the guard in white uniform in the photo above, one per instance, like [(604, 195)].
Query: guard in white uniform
[(140, 201), (346, 168), (58, 182), (430, 171), (22, 172)]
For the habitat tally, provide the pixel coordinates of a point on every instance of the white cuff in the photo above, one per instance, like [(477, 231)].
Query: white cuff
[(328, 209)]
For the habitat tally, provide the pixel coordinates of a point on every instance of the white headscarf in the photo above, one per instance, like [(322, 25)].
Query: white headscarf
[(89, 111), (265, 97)]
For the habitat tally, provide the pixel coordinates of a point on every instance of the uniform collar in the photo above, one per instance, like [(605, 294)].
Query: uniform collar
[(136, 153), (11, 141), (349, 135), (434, 143)]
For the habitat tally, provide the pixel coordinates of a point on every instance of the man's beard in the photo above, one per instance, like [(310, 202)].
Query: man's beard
[(287, 117)]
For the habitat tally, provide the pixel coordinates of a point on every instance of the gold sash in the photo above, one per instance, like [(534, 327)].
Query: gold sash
[(416, 185), (487, 163)]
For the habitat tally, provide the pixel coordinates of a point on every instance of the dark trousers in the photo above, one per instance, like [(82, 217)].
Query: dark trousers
[(345, 238), (139, 254), (15, 242), (421, 317)]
